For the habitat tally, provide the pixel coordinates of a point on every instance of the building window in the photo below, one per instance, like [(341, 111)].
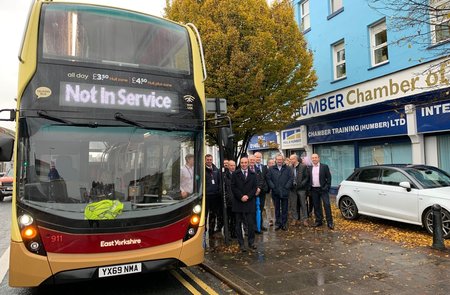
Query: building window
[(304, 9), (378, 44), (340, 158), (335, 5), (440, 20), (385, 154), (339, 61), (443, 155)]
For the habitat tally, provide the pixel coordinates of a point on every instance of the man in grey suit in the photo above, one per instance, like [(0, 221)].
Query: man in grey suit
[(297, 197), (320, 183)]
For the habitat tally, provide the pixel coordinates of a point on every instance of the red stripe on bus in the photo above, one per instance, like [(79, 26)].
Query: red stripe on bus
[(60, 242)]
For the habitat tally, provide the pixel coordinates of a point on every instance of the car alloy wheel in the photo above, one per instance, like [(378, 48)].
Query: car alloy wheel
[(428, 222), (348, 208)]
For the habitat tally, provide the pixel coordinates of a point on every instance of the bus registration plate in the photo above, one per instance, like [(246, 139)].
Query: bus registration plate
[(118, 270)]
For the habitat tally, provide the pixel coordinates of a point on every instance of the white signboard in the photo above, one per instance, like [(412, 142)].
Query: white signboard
[(426, 77)]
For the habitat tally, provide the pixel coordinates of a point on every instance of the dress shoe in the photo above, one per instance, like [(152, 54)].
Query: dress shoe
[(264, 228), (278, 228), (331, 226), (243, 249), (253, 247), (271, 223), (317, 224), (284, 227), (258, 232)]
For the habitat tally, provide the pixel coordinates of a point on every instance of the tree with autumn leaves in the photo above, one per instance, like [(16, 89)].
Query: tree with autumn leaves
[(256, 58)]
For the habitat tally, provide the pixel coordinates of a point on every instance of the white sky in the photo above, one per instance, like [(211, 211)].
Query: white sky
[(13, 16)]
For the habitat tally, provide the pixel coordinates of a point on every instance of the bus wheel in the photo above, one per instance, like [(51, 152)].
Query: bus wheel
[(1, 197)]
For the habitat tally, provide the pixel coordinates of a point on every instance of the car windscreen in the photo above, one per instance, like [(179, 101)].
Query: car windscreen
[(429, 177)]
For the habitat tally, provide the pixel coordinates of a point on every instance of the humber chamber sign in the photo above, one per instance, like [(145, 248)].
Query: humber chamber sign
[(377, 125), (426, 77), (113, 97)]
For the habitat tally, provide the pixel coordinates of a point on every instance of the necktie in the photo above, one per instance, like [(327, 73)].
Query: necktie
[(245, 173), (252, 168)]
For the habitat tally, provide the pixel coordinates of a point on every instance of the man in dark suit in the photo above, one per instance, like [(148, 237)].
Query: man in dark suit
[(279, 180), (320, 183), (244, 184)]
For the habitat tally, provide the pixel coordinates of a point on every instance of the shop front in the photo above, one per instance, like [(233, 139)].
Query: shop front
[(379, 138), (399, 118)]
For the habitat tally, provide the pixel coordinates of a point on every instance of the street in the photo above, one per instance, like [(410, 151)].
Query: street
[(192, 280), (358, 257)]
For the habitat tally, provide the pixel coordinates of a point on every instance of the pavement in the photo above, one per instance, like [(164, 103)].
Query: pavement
[(306, 260)]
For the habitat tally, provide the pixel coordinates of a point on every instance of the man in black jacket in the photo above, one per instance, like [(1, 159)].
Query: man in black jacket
[(279, 180), (244, 184), (320, 183), (213, 196)]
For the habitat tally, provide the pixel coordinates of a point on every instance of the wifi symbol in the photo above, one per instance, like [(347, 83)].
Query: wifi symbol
[(189, 98)]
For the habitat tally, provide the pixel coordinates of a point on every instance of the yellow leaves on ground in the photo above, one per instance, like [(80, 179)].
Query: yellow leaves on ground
[(409, 236)]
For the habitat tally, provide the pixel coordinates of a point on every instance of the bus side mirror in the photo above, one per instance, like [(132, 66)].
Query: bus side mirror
[(6, 148), (7, 115)]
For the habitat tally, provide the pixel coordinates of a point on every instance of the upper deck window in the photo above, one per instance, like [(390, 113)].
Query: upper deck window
[(103, 35)]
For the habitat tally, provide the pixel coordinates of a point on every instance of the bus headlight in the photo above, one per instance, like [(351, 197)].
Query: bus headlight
[(25, 220), (30, 234), (197, 209)]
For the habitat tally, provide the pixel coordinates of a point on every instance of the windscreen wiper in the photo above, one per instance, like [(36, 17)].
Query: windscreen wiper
[(120, 117), (45, 115)]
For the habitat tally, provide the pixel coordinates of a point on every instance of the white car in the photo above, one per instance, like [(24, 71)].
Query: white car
[(404, 193)]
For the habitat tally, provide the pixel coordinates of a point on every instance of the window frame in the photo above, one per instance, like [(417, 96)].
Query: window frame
[(304, 15), (334, 6), (436, 20), (338, 47), (374, 30)]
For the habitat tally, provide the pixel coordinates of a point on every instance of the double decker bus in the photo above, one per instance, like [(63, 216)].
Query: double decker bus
[(110, 105)]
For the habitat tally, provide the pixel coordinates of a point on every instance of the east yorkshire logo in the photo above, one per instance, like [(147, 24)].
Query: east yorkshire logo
[(123, 242)]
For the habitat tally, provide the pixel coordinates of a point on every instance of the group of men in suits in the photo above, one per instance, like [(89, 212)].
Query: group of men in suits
[(252, 180)]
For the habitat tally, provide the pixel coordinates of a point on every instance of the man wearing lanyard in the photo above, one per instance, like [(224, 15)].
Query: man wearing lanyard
[(213, 200), (319, 187)]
